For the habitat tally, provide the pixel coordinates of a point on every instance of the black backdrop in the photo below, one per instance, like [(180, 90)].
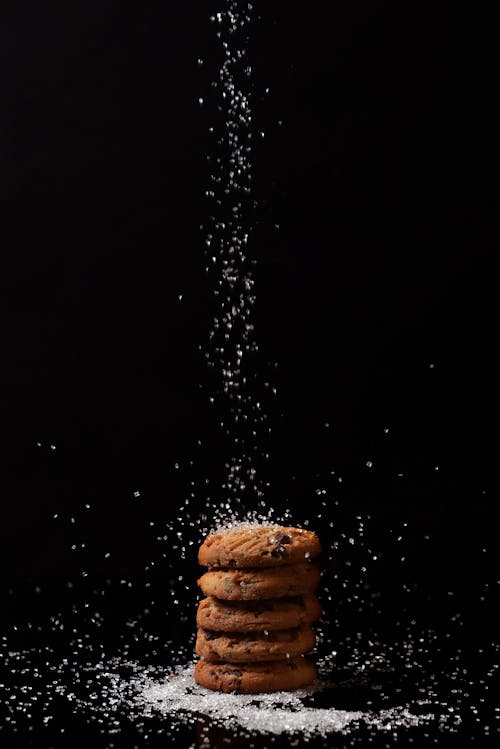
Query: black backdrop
[(375, 296)]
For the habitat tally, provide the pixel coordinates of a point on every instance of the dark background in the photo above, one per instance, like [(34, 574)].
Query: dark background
[(381, 178)]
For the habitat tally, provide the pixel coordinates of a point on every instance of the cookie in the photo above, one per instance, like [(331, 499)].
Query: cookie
[(256, 616), (252, 678), (264, 582), (258, 546), (235, 647)]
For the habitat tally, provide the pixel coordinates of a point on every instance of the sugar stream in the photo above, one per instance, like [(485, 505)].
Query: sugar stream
[(233, 343)]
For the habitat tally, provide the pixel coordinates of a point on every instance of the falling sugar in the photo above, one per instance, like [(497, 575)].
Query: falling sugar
[(232, 349)]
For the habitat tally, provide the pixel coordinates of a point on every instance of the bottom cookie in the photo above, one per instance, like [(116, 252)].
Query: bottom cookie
[(252, 678)]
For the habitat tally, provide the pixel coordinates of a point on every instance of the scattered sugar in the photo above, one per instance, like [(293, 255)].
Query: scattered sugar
[(112, 693), (276, 713)]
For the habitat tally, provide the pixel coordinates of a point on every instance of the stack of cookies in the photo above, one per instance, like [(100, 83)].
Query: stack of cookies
[(254, 625)]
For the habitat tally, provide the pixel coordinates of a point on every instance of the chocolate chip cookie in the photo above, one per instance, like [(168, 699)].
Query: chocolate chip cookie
[(256, 616), (251, 678), (235, 647), (261, 583), (258, 546)]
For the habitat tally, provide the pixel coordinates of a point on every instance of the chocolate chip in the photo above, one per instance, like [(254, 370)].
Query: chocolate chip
[(282, 538)]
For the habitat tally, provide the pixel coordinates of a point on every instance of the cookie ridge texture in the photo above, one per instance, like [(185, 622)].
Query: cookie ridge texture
[(256, 616), (237, 647), (261, 582), (258, 546)]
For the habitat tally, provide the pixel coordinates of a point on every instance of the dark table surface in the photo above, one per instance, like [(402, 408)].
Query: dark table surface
[(74, 654)]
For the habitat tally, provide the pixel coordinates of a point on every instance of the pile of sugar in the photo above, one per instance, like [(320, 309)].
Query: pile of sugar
[(280, 712)]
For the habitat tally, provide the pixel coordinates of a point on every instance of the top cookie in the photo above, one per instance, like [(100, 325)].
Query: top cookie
[(258, 546)]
